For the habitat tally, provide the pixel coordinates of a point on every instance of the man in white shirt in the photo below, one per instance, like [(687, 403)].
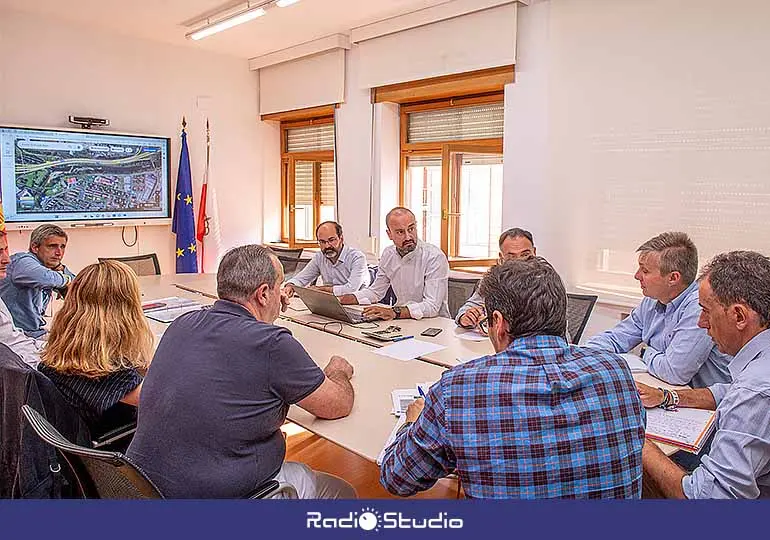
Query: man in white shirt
[(418, 273), (342, 268), (26, 347)]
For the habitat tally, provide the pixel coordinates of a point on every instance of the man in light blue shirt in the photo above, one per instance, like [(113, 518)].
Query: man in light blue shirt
[(735, 296), (342, 269), (677, 352), (514, 244), (33, 276)]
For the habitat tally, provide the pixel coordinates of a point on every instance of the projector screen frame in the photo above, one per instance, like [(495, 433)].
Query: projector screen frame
[(99, 222)]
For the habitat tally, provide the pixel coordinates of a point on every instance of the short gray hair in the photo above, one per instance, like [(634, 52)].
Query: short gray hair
[(741, 277), (677, 254), (529, 294), (243, 270), (44, 231), (515, 232)]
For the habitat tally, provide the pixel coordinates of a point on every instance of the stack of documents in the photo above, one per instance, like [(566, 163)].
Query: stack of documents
[(168, 309), (635, 363), (688, 429)]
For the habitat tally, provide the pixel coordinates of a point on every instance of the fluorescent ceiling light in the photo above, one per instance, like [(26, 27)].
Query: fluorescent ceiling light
[(284, 3), (226, 23)]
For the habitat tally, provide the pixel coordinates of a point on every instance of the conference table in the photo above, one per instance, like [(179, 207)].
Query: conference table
[(371, 421)]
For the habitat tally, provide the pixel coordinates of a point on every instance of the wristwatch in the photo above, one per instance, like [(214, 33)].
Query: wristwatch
[(397, 311), (404, 426)]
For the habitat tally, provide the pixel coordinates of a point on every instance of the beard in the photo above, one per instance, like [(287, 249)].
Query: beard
[(331, 253), (407, 247)]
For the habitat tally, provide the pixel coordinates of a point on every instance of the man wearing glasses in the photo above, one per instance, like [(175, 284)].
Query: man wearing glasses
[(342, 268), (514, 244)]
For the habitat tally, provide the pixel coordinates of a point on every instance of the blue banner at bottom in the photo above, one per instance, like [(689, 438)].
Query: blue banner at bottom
[(117, 520)]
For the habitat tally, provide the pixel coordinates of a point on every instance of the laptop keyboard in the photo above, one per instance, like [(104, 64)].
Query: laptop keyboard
[(356, 315)]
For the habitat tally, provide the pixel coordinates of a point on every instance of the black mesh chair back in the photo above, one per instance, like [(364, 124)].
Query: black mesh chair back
[(289, 258), (142, 265), (579, 308), (112, 475), (460, 289), (100, 474)]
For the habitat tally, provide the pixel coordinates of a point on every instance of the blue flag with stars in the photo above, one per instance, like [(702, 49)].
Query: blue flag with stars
[(183, 224)]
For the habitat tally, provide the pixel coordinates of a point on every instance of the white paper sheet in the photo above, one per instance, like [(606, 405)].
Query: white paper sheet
[(635, 363), (408, 349), (400, 422), (470, 335), (403, 397), (169, 308)]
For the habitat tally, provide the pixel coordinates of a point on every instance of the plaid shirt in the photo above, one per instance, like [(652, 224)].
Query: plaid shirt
[(540, 419)]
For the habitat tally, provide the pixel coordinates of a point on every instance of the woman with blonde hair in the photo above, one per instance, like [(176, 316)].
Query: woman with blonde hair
[(98, 344)]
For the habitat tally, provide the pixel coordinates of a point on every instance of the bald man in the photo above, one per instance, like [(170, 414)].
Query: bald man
[(417, 271)]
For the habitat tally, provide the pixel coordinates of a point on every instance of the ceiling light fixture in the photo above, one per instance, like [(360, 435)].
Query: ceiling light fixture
[(248, 14), (285, 3)]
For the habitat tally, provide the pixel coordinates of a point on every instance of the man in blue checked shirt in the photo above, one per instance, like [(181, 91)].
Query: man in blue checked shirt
[(539, 418), (735, 295), (677, 352)]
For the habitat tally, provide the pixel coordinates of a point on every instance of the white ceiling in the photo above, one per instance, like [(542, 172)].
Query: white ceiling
[(161, 20)]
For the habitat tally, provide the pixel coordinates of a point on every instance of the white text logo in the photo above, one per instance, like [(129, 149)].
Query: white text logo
[(370, 519)]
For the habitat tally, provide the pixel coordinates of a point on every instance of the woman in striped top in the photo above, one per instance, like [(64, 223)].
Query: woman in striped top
[(98, 344)]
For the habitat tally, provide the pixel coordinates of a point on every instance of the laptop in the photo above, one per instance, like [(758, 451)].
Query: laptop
[(328, 305)]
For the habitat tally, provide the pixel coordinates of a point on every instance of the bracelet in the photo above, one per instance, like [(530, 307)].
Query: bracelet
[(670, 399)]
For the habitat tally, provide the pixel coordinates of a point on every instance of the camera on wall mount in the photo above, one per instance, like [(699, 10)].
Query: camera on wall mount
[(87, 122)]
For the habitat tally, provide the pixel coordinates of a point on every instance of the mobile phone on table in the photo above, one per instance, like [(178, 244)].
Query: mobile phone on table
[(431, 332)]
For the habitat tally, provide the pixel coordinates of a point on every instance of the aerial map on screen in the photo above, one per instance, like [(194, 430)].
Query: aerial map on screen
[(66, 176), (93, 178)]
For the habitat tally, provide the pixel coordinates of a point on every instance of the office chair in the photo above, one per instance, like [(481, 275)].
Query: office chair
[(102, 474), (460, 289), (142, 265), (390, 297), (579, 308), (289, 258)]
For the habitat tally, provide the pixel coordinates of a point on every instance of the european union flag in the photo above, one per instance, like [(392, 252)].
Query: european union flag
[(184, 218)]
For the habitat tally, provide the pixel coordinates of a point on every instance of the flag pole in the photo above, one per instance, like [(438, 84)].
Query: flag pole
[(203, 220)]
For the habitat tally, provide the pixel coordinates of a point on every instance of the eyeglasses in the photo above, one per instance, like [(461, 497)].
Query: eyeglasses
[(330, 241)]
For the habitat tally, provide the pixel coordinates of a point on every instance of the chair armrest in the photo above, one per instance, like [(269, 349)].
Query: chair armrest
[(272, 488), (114, 435)]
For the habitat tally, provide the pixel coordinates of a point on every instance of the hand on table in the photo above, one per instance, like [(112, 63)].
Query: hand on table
[(651, 397), (379, 312)]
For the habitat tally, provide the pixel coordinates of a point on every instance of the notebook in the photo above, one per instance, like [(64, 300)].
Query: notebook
[(688, 429), (401, 399)]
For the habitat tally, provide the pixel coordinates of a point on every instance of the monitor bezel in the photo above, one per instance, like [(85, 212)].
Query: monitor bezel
[(15, 224)]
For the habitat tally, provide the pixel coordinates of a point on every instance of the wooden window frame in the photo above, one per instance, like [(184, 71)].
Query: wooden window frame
[(445, 149), (288, 161)]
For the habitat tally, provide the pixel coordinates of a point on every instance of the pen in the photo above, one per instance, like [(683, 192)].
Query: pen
[(419, 389), (402, 338)]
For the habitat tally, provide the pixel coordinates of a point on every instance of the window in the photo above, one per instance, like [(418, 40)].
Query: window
[(452, 174), (308, 179)]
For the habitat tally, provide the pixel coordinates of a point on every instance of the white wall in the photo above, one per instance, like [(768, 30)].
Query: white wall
[(354, 158), (49, 70)]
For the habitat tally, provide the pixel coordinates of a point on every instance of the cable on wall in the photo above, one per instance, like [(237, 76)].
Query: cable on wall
[(123, 236)]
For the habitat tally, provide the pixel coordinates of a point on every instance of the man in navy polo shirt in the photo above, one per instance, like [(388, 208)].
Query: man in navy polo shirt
[(220, 386)]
